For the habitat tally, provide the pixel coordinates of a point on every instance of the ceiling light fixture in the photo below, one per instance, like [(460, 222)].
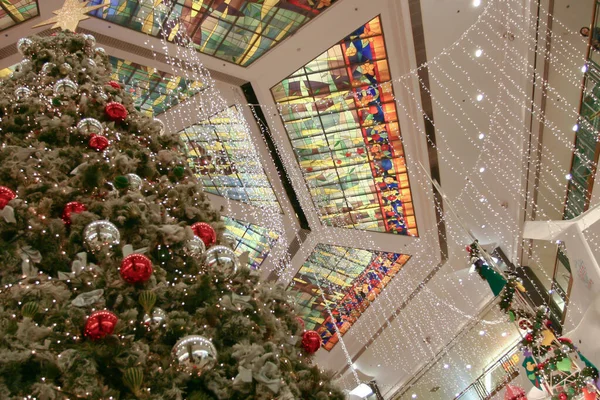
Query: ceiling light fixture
[(479, 97), (363, 390), (478, 53), (476, 3), (481, 135)]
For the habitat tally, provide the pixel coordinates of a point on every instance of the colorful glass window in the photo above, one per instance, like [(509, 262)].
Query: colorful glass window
[(154, 92), (13, 12), (238, 31), (218, 150), (337, 284), (340, 115), (254, 239)]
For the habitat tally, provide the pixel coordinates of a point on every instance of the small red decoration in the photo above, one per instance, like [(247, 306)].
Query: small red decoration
[(468, 249), (529, 337), (563, 396), (514, 393), (311, 341), (205, 232), (72, 207), (360, 151), (114, 84), (100, 324), (6, 195), (98, 143), (565, 340), (115, 111), (300, 322), (136, 268)]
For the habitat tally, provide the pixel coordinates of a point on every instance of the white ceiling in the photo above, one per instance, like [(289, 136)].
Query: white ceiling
[(416, 320)]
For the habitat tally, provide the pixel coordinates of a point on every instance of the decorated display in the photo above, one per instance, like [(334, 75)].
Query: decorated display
[(552, 364), (105, 290)]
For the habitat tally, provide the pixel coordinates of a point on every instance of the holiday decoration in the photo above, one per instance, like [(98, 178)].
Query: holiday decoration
[(22, 92), (133, 378), (161, 125), (100, 283), (30, 309), (115, 111), (205, 232), (223, 259), (100, 234), (136, 268), (155, 319), (195, 354), (514, 393), (100, 324), (6, 195), (65, 87), (98, 143), (69, 16), (24, 45), (134, 181), (90, 126), (194, 247), (228, 240), (47, 68), (72, 207), (114, 84), (311, 341), (147, 299)]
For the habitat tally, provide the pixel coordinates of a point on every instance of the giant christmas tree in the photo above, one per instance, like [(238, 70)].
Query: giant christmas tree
[(114, 285)]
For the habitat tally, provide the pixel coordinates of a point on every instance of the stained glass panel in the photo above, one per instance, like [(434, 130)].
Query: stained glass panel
[(340, 115), (13, 12), (218, 149), (238, 31), (153, 91), (251, 238), (341, 282)]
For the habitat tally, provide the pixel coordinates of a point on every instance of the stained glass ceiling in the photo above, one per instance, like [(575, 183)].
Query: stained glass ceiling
[(218, 150), (13, 12), (238, 31), (349, 144), (254, 239), (153, 91), (345, 279)]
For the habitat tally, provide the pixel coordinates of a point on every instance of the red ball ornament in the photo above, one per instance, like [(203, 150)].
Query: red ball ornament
[(115, 84), (72, 207), (529, 337), (563, 396), (311, 341), (100, 324), (6, 195), (136, 268), (115, 111), (98, 143), (205, 232)]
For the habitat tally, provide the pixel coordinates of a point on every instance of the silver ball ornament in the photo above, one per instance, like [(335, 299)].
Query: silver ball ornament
[(90, 40), (47, 68), (222, 259), (24, 45), (135, 182), (24, 65), (65, 86), (100, 51), (89, 126), (22, 92), (194, 247), (101, 234), (156, 320), (195, 354), (89, 63), (161, 125), (565, 349)]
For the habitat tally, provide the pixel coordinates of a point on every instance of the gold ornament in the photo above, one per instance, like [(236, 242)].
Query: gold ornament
[(71, 13)]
